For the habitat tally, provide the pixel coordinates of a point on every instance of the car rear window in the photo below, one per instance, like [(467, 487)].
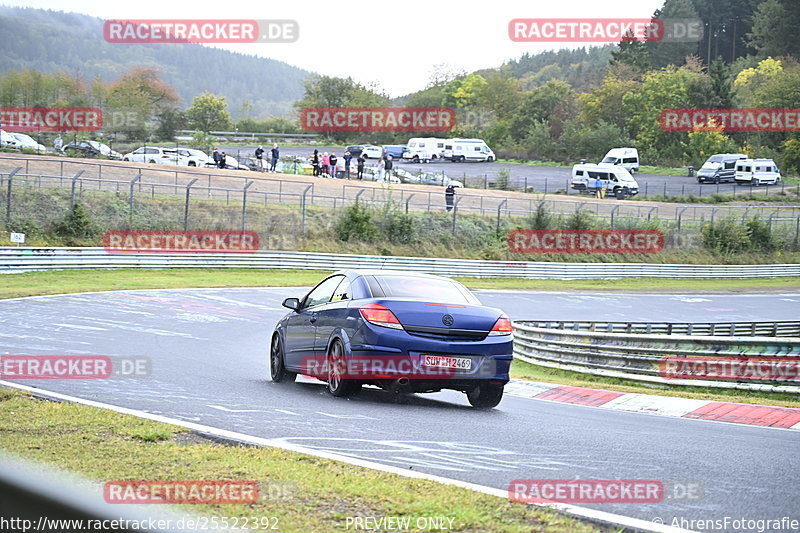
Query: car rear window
[(435, 290)]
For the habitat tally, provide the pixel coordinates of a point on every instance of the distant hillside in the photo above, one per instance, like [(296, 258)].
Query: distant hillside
[(52, 41)]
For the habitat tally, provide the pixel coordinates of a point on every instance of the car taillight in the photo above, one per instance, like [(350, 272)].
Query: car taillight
[(380, 315), (501, 327)]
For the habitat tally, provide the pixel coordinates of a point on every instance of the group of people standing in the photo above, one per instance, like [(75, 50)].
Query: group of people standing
[(326, 165), (274, 156)]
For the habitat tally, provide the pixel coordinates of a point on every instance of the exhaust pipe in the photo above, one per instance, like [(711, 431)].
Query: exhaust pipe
[(402, 382)]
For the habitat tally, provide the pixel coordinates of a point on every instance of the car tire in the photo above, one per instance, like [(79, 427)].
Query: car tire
[(152, 161), (126, 159), (192, 164), (277, 365), (415, 159), (490, 159), (717, 180), (426, 160), (485, 396), (338, 386), (462, 159)]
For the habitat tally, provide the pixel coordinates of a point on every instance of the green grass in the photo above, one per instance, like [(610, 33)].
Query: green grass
[(71, 281), (523, 370), (103, 445), (535, 163)]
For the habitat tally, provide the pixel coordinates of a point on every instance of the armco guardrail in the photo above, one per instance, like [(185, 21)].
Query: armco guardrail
[(578, 347), (26, 259), (723, 329)]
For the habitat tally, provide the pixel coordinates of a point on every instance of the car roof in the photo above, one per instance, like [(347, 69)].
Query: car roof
[(386, 272)]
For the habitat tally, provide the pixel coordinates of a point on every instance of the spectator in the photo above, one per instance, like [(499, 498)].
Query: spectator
[(260, 158), (379, 170), (58, 143), (275, 156), (222, 160), (326, 163), (450, 197), (347, 157), (215, 156), (599, 190), (360, 166), (333, 160), (388, 166), (315, 162)]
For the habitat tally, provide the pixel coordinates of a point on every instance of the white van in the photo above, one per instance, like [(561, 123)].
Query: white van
[(627, 158), (757, 172), (424, 149), (616, 179), (461, 150)]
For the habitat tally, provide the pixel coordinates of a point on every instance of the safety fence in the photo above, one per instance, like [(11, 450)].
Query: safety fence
[(639, 351), (17, 259)]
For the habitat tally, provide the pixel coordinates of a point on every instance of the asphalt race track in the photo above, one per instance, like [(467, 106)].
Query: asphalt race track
[(208, 349)]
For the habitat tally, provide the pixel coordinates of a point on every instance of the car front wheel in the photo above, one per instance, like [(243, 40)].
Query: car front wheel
[(485, 396), (277, 367)]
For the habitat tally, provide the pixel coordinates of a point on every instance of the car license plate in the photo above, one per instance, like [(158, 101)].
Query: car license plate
[(441, 361)]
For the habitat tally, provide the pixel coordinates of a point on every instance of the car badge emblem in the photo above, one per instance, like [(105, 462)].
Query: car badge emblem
[(447, 320)]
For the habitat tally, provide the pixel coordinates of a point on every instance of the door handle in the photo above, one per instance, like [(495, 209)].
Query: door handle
[(313, 318)]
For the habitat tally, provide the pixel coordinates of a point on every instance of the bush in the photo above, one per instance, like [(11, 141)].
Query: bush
[(502, 180), (77, 223), (541, 219), (579, 220), (356, 224), (399, 227), (727, 236), (760, 235)]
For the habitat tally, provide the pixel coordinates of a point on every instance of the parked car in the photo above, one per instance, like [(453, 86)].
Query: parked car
[(370, 151), (27, 142), (395, 150), (757, 172), (154, 154), (616, 179), (463, 150), (719, 168), (7, 141), (424, 149), (90, 149), (190, 157), (230, 164), (627, 158), (437, 178), (395, 330)]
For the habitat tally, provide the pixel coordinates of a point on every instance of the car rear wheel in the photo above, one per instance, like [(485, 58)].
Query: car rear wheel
[(337, 385), (277, 367), (485, 396), (192, 164), (152, 161)]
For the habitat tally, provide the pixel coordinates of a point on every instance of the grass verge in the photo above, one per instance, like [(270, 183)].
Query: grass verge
[(71, 281), (523, 370), (103, 445)]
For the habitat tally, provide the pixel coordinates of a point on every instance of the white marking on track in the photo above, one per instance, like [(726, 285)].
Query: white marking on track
[(284, 411), (219, 407), (76, 326), (352, 417)]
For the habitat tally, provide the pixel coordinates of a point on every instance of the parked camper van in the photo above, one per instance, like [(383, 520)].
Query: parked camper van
[(757, 172), (461, 150), (719, 168), (424, 149), (627, 158), (616, 179)]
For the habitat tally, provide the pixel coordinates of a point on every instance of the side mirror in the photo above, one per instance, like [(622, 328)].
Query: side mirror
[(292, 303)]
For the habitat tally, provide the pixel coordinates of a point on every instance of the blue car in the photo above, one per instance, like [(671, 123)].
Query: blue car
[(402, 332)]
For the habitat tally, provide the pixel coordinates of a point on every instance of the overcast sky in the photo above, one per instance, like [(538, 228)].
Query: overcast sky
[(394, 44)]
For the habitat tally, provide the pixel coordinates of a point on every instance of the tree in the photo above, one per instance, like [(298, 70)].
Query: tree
[(703, 144), (770, 32), (209, 112), (604, 103), (463, 93), (136, 98), (551, 103), (749, 80), (721, 84), (666, 51), (632, 52)]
